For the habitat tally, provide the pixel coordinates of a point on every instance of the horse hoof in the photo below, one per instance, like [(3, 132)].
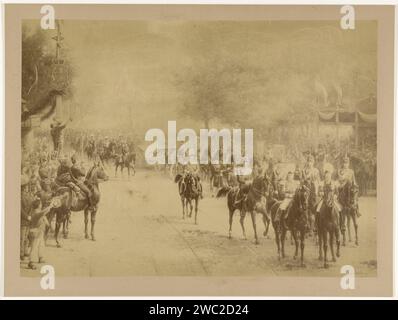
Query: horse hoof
[(93, 238), (65, 236), (294, 257), (320, 258), (86, 236), (256, 242), (356, 243), (326, 266), (303, 265), (59, 246)]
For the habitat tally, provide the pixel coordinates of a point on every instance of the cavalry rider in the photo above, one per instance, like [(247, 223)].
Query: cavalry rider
[(78, 175), (289, 188), (194, 170), (345, 175), (329, 186), (310, 174), (91, 144), (244, 181)]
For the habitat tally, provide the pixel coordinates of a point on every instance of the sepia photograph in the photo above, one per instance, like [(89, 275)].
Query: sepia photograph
[(199, 148)]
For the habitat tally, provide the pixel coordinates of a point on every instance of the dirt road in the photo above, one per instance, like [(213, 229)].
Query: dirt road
[(140, 231)]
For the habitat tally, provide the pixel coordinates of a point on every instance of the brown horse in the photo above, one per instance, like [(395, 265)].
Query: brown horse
[(252, 203), (189, 187), (348, 198), (74, 200), (328, 224), (296, 222)]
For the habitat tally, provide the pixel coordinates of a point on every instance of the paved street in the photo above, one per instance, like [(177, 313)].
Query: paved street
[(140, 231)]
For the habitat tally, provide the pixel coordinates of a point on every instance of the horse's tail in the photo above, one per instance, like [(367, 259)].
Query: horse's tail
[(223, 191), (177, 178)]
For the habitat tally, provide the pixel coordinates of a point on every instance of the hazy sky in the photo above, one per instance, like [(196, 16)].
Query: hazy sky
[(126, 70)]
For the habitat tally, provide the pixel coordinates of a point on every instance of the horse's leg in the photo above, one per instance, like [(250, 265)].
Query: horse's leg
[(302, 244), (231, 214), (283, 237), (196, 210), (349, 227), (320, 245), (86, 212), (331, 244), (337, 235), (183, 206), (190, 207), (253, 216), (266, 225), (343, 226), (294, 235), (325, 247), (242, 223), (57, 227), (93, 216), (355, 222), (277, 238)]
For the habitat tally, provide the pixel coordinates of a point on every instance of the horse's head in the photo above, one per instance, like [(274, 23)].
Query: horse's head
[(302, 197)]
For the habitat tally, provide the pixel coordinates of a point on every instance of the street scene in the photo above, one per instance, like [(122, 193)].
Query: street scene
[(93, 205)]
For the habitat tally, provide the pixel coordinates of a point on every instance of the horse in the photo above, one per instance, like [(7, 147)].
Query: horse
[(74, 200), (125, 161), (328, 224), (296, 222), (252, 203), (189, 190), (348, 197)]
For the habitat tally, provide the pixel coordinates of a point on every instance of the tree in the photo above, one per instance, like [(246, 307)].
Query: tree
[(41, 78)]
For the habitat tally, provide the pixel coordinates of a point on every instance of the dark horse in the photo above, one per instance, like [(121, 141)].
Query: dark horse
[(125, 161), (296, 222), (71, 200), (348, 198), (252, 203), (189, 190), (328, 224)]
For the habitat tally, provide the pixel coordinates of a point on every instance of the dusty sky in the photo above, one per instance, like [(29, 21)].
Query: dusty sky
[(125, 70)]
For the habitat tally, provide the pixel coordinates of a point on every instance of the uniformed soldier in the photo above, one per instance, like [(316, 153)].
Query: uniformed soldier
[(78, 175), (26, 211), (310, 174), (329, 186), (346, 174), (289, 188)]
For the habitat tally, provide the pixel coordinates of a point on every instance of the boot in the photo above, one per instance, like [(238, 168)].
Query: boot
[(31, 265)]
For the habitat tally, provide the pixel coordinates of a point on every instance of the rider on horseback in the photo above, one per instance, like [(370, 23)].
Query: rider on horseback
[(328, 187), (289, 189), (78, 175), (193, 169), (347, 175)]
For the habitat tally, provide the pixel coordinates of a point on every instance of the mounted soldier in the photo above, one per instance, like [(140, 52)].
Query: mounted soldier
[(78, 175), (288, 189)]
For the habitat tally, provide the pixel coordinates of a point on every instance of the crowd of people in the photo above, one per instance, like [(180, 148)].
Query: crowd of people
[(51, 164)]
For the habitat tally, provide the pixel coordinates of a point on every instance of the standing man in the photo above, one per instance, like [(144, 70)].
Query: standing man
[(26, 210), (57, 134)]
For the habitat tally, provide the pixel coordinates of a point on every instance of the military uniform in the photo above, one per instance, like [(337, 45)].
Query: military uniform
[(79, 175), (26, 211), (329, 186)]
